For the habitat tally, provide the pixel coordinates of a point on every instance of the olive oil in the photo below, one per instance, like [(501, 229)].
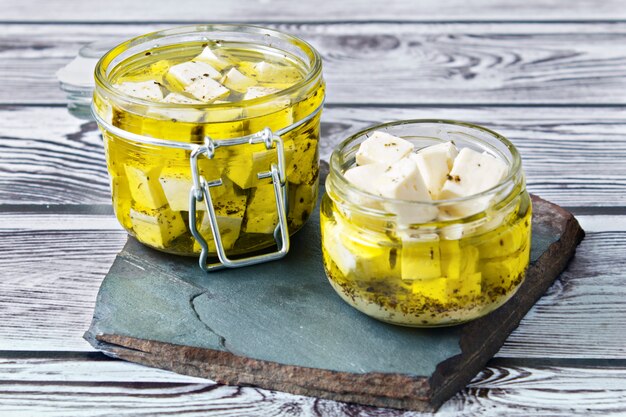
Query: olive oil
[(150, 184), (432, 281)]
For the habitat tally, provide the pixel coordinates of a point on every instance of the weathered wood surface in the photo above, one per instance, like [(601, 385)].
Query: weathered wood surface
[(420, 64), (93, 385), (195, 11), (574, 65), (53, 264), (572, 156)]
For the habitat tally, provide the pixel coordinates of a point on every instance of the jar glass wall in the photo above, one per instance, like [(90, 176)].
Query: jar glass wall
[(151, 182), (441, 272)]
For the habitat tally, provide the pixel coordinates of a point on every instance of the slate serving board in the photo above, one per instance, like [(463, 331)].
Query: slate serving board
[(281, 326)]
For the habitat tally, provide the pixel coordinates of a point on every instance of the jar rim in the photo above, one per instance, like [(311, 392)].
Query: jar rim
[(100, 72), (336, 160)]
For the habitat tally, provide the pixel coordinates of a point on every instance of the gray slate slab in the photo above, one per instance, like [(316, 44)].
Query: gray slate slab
[(281, 326)]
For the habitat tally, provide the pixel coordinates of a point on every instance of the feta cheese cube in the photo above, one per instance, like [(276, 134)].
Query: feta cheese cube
[(121, 200), (472, 173), (187, 72), (261, 213), (420, 258), (435, 163), (238, 82), (403, 181), (184, 115), (244, 165), (157, 227), (301, 202), (382, 147), (207, 90), (210, 57), (229, 226), (177, 98), (275, 114), (145, 90), (302, 159), (269, 73), (335, 251), (503, 272), (503, 241), (257, 92), (176, 184), (376, 255), (229, 208), (365, 176), (144, 187)]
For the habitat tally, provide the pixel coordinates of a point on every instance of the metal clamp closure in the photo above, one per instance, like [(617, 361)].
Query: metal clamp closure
[(201, 191)]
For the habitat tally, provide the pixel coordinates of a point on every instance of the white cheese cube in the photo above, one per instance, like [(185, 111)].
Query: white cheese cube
[(176, 98), (157, 227), (365, 176), (435, 163), (229, 211), (382, 148), (275, 114), (146, 90), (176, 182), (257, 92), (144, 187), (335, 249), (420, 257), (472, 173), (302, 198), (188, 72), (186, 115), (207, 90), (302, 159), (403, 181), (210, 57), (229, 226), (266, 72), (236, 81), (244, 166), (261, 213)]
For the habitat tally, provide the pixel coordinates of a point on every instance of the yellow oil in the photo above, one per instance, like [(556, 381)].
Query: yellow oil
[(432, 281), (150, 184)]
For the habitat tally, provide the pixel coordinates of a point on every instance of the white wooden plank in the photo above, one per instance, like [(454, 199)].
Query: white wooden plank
[(285, 10), (50, 279), (572, 156), (96, 387), (455, 63)]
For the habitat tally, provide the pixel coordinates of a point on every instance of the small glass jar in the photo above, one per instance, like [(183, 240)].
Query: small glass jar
[(149, 145), (436, 273)]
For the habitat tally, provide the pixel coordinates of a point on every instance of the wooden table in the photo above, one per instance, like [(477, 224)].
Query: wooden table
[(550, 75)]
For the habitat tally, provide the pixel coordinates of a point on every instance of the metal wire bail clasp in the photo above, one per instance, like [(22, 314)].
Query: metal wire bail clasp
[(201, 190)]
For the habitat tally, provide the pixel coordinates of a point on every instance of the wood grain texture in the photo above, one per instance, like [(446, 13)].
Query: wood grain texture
[(53, 264), (285, 10), (451, 63), (51, 270), (572, 156), (98, 386)]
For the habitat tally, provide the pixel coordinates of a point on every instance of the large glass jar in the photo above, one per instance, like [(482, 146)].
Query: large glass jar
[(148, 145), (442, 272)]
